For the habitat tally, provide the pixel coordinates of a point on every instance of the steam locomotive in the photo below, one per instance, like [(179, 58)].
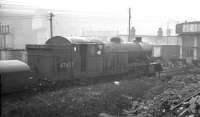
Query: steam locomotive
[(64, 58), (68, 58)]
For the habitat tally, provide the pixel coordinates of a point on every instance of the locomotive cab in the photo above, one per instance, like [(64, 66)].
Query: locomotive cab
[(89, 56)]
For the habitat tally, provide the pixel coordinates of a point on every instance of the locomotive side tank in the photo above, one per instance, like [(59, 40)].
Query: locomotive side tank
[(15, 76), (126, 57)]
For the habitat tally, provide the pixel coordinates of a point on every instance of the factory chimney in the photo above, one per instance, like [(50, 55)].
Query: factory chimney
[(132, 33), (168, 32), (160, 32)]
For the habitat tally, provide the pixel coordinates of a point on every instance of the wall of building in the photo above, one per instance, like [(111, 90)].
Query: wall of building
[(9, 43), (24, 29), (161, 40), (157, 40), (21, 32), (190, 40), (170, 51), (13, 54), (166, 52), (198, 47), (190, 46), (187, 46)]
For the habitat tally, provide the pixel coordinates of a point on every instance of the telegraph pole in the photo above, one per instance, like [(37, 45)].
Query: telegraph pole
[(51, 24), (129, 25)]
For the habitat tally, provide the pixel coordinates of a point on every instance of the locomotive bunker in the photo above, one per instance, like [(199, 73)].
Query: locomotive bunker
[(65, 58)]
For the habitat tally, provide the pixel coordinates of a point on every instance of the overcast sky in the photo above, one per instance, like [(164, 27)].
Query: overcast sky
[(149, 13)]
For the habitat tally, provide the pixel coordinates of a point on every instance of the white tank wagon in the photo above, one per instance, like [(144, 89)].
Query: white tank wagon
[(15, 76)]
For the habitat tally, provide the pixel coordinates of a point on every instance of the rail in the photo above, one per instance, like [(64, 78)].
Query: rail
[(187, 98)]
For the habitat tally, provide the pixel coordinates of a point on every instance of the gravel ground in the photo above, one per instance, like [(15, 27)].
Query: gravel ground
[(167, 94)]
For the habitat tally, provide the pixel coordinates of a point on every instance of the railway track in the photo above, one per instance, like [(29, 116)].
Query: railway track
[(187, 106), (185, 99)]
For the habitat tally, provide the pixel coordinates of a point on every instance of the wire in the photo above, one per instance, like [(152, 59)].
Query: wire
[(23, 18), (15, 3)]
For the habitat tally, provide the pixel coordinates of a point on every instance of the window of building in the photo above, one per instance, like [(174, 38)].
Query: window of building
[(188, 51), (198, 27)]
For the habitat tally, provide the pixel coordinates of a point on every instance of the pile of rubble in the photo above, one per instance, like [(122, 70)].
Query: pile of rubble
[(180, 98)]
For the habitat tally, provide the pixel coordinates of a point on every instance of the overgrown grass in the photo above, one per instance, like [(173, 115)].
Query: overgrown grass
[(84, 101)]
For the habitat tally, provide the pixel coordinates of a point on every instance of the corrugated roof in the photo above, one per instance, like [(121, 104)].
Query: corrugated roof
[(13, 66)]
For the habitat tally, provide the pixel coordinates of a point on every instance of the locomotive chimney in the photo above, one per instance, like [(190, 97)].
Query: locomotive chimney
[(138, 39), (160, 32)]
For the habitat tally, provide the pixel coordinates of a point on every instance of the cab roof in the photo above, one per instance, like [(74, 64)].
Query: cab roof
[(63, 40)]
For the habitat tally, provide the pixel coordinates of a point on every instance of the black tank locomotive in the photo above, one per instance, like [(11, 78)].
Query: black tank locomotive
[(67, 58), (64, 58)]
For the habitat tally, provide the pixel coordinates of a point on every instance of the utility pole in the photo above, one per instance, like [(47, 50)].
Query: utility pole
[(51, 24), (167, 31), (129, 26)]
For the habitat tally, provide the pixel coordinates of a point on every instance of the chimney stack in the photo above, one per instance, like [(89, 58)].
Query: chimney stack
[(160, 32)]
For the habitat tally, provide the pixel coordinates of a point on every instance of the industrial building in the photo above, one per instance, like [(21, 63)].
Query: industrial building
[(189, 33)]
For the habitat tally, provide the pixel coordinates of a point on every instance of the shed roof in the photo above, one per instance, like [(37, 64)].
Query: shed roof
[(7, 66)]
